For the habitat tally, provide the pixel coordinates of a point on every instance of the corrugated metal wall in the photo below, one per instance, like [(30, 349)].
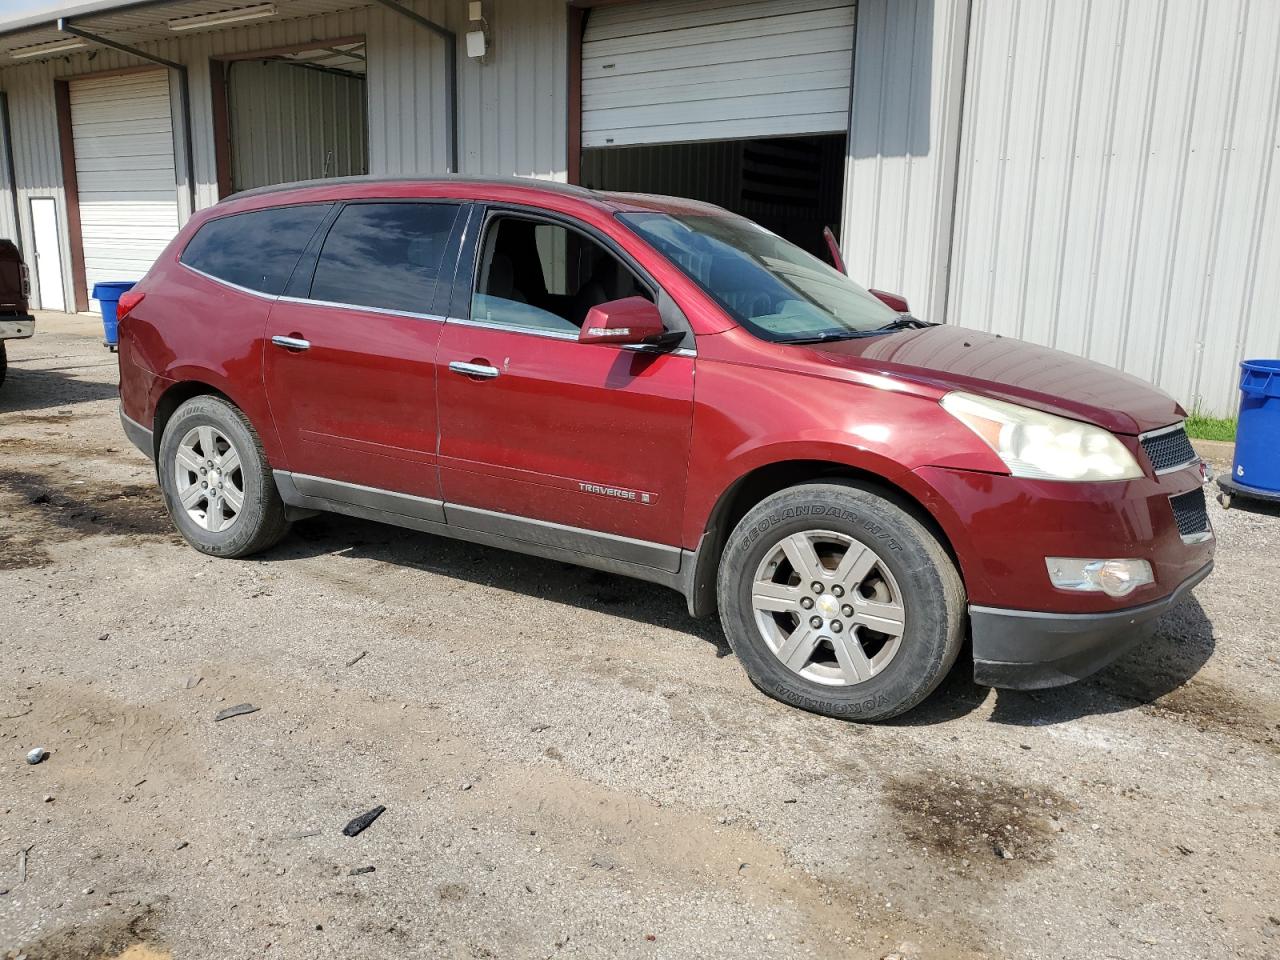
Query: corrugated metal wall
[(512, 105), (1119, 196), (290, 122), (903, 135)]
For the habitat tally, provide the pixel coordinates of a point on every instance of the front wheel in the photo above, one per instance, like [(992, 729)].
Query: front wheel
[(216, 480), (838, 601)]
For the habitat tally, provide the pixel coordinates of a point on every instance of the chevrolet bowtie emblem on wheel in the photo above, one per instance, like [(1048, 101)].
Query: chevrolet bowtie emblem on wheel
[(619, 493)]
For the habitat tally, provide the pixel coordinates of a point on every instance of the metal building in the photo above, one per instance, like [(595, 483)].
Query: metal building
[(1097, 176)]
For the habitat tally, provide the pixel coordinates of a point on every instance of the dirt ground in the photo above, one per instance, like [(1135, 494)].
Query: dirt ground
[(570, 765)]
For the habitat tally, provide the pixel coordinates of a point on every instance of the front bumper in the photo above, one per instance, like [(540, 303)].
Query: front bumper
[(17, 327), (1027, 650)]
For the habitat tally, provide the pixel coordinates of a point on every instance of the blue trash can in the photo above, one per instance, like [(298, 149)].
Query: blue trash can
[(108, 297), (1257, 462)]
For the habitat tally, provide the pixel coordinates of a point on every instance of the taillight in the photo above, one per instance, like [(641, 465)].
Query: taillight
[(26, 282), (128, 300)]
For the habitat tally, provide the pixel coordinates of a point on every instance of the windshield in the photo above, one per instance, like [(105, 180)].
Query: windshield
[(770, 286)]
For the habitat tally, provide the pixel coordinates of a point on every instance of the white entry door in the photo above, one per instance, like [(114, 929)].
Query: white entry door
[(48, 265), (123, 135)]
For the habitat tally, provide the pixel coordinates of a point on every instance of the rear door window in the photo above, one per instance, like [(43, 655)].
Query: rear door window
[(384, 255), (257, 250)]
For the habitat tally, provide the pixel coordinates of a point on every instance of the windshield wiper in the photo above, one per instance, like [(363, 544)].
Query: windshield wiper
[(905, 323), (830, 337)]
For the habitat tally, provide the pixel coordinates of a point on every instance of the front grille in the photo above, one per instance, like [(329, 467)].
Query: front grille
[(1169, 449), (1190, 514)]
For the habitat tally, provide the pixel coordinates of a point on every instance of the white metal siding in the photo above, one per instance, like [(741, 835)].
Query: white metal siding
[(679, 70), (902, 147), (294, 123), (1119, 196), (123, 141)]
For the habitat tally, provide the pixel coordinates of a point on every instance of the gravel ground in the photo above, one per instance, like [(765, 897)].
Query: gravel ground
[(571, 766)]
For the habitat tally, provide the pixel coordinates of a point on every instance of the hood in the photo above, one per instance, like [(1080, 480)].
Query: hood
[(954, 358)]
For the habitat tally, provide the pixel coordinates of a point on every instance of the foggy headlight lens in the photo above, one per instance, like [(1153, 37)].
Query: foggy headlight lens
[(1041, 446), (1115, 578)]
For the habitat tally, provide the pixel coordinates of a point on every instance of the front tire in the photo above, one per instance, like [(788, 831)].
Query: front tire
[(216, 480), (838, 601)]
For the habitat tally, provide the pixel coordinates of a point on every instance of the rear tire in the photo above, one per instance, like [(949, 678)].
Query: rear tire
[(216, 480), (4, 362), (838, 601)]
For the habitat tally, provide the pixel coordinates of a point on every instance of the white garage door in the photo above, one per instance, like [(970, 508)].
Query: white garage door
[(123, 135), (680, 70)]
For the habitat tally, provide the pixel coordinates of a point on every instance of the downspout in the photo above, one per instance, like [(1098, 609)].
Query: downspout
[(6, 131), (451, 69), (184, 92)]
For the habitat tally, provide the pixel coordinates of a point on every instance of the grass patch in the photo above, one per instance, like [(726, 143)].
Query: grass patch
[(1202, 427)]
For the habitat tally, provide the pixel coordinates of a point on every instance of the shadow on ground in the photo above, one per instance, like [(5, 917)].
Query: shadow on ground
[(1151, 671), (551, 580), (26, 389), (1147, 674)]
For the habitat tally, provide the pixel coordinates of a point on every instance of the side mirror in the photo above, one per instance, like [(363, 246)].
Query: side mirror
[(630, 320), (891, 300)]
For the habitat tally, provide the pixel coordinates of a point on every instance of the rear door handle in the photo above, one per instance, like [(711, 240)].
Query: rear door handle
[(292, 343), (480, 370)]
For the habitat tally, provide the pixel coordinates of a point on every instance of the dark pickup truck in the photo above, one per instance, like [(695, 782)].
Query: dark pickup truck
[(16, 321)]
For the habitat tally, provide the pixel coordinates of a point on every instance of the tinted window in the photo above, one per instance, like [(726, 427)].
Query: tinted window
[(256, 250), (543, 276), (384, 255)]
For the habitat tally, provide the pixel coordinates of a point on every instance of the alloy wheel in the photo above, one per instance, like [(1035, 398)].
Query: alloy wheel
[(828, 607), (209, 478)]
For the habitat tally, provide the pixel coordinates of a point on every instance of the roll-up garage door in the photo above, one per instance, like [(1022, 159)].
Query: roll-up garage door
[(679, 70), (122, 131)]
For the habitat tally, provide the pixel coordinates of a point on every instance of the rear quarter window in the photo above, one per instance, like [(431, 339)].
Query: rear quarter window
[(257, 250)]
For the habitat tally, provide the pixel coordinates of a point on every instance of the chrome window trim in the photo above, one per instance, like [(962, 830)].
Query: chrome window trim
[(1161, 431), (560, 335), (271, 298), (385, 311)]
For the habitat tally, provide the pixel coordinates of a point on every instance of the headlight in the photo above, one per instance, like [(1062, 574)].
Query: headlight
[(1040, 445)]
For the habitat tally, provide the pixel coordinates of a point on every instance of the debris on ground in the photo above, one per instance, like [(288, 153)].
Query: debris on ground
[(361, 823), (356, 871), (37, 755), (192, 682), (1001, 851), (357, 658), (22, 862), (239, 710)]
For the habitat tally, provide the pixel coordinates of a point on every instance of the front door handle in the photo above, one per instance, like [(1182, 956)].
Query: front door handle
[(479, 370), (292, 343)]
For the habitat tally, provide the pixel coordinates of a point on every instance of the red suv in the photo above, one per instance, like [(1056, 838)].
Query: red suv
[(659, 388)]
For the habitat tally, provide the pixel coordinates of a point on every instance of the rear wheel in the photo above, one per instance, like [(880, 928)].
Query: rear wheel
[(4, 362), (216, 481), (838, 601)]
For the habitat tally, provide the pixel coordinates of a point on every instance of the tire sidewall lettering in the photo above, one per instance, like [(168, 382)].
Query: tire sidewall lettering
[(875, 531)]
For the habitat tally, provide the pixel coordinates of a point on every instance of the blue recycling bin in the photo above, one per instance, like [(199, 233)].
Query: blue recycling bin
[(108, 297), (1257, 462)]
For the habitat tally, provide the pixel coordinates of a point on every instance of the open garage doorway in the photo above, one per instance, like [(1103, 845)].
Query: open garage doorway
[(286, 115), (791, 185)]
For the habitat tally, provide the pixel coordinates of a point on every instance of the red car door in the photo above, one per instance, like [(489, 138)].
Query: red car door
[(542, 438), (350, 362)]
